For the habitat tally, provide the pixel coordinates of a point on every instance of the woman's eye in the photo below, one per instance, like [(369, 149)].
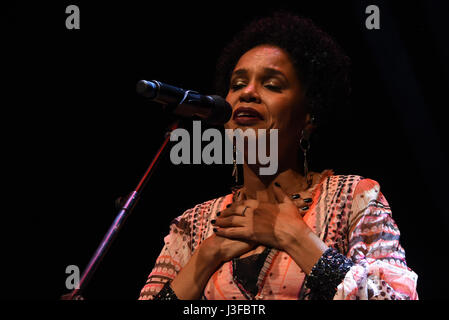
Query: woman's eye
[(273, 87), (237, 85)]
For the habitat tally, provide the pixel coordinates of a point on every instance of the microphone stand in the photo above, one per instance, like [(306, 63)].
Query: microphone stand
[(125, 211)]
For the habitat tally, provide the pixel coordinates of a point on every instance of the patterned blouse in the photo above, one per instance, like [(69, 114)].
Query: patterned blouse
[(348, 213)]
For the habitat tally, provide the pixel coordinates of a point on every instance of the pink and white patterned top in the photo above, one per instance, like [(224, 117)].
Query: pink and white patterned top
[(349, 213)]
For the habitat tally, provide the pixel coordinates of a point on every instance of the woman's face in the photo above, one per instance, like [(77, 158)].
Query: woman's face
[(265, 93)]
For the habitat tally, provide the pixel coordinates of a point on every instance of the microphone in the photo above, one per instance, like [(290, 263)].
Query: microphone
[(186, 103)]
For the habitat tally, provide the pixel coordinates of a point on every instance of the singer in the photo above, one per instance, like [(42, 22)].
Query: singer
[(296, 234)]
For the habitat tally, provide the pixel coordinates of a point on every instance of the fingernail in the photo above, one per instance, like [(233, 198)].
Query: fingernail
[(296, 196), (305, 208), (308, 200), (218, 213), (213, 221), (277, 184)]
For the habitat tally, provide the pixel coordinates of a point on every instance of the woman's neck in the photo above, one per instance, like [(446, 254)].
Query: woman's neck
[(261, 187)]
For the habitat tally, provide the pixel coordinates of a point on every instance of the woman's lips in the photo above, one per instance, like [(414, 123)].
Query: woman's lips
[(246, 116)]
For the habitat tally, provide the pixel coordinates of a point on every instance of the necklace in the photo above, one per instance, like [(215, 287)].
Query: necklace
[(296, 194)]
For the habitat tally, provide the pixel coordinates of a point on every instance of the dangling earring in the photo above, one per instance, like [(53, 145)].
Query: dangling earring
[(305, 148), (235, 171)]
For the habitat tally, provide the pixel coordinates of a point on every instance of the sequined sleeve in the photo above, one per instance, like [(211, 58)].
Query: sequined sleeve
[(175, 253), (327, 274), (380, 270)]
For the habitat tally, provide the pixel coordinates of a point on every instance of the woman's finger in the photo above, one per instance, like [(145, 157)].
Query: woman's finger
[(229, 211), (238, 209), (241, 196), (280, 195), (232, 221)]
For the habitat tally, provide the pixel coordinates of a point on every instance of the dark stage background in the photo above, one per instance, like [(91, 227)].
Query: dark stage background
[(77, 136)]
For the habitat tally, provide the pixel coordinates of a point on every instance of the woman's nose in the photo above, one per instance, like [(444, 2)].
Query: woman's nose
[(250, 94)]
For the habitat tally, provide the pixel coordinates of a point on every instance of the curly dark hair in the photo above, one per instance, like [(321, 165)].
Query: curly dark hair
[(320, 63)]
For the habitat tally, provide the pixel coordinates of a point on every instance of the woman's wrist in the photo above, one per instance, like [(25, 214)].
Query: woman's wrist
[(294, 235), (305, 247), (209, 257), (209, 254), (193, 277)]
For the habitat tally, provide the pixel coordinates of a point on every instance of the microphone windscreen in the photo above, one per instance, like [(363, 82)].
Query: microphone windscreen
[(221, 112), (147, 89)]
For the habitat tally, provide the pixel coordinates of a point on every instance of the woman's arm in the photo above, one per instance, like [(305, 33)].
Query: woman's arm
[(380, 270), (191, 280), (185, 272), (304, 247), (210, 255)]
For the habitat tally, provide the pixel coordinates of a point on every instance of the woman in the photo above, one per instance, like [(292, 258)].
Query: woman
[(295, 234)]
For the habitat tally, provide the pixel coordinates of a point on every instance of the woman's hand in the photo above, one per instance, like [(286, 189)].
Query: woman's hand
[(276, 225), (212, 252), (217, 249)]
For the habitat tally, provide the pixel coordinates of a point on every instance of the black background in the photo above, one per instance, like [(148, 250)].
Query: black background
[(76, 135)]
